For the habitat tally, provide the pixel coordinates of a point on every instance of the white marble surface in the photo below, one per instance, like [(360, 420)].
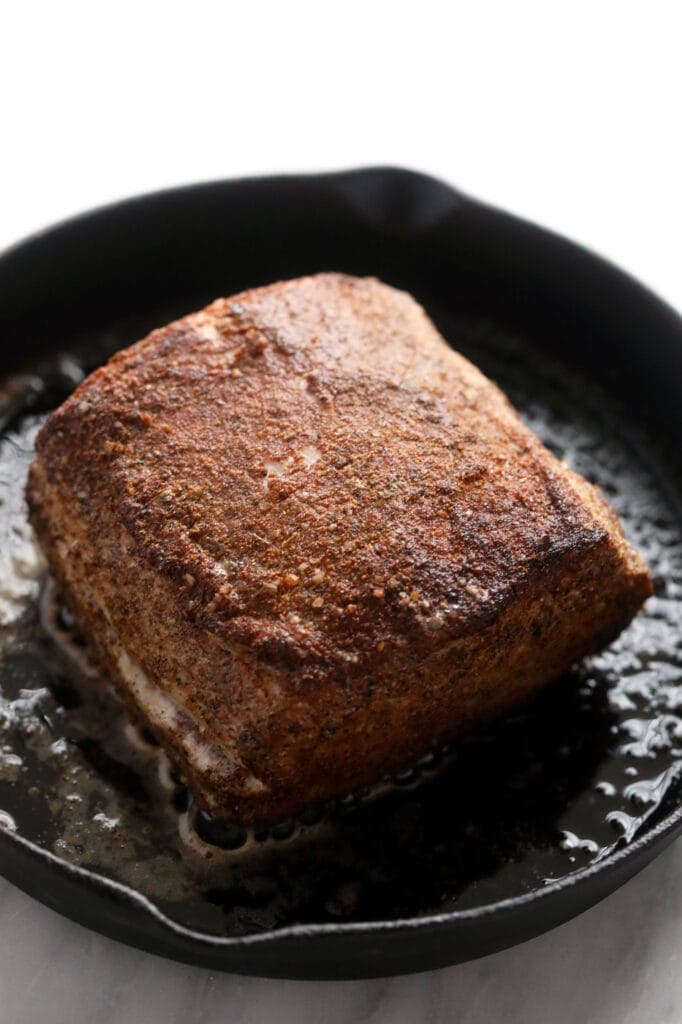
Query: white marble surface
[(619, 963)]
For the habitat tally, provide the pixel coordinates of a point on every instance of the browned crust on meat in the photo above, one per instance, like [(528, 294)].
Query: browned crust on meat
[(324, 535)]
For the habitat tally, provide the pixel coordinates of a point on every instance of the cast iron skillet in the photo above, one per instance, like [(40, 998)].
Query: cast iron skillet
[(178, 249)]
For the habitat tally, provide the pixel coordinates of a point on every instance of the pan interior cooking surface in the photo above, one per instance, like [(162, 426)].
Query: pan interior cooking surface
[(574, 776)]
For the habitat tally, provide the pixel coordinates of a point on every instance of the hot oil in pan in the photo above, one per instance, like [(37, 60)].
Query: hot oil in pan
[(596, 755)]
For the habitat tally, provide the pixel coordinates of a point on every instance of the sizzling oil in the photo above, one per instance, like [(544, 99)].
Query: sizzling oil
[(594, 759)]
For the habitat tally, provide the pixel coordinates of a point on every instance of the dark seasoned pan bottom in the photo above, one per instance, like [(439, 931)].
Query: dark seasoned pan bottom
[(561, 785)]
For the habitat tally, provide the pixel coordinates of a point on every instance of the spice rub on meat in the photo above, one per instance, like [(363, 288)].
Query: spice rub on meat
[(308, 542)]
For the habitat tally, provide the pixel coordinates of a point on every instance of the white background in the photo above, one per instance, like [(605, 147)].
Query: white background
[(568, 114)]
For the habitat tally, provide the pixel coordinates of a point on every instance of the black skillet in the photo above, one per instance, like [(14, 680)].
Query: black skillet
[(497, 839)]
